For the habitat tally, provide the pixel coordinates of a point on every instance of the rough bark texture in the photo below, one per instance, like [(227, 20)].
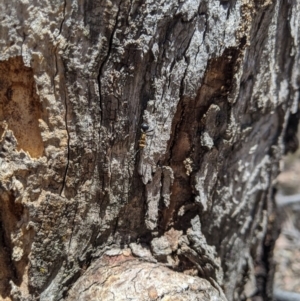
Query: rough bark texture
[(286, 250), (218, 84)]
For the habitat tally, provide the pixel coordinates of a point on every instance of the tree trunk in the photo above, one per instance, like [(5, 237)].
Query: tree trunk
[(139, 142)]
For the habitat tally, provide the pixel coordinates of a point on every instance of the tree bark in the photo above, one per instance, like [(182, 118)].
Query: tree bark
[(93, 207)]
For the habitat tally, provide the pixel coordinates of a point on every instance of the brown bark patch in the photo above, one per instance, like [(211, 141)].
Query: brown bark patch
[(20, 107), (15, 243), (192, 119)]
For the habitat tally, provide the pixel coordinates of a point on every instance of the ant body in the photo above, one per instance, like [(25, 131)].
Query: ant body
[(144, 130), (142, 141)]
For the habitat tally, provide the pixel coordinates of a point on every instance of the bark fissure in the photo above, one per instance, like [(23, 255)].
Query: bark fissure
[(56, 69), (63, 20), (105, 60), (73, 224), (68, 145)]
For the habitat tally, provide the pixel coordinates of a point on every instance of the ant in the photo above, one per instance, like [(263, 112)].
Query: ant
[(144, 130), (142, 141)]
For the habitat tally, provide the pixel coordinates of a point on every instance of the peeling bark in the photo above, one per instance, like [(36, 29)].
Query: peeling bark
[(217, 82)]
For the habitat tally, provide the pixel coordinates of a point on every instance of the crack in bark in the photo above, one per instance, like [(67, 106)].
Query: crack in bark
[(134, 282), (181, 89), (94, 283), (68, 146), (63, 20), (75, 213), (177, 128), (65, 101), (205, 29), (110, 44)]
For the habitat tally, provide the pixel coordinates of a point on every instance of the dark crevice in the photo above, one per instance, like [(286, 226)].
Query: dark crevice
[(110, 46), (68, 147), (7, 264), (173, 139), (161, 206), (260, 21), (232, 4), (205, 30), (290, 138), (188, 124), (115, 226), (67, 284), (63, 20), (73, 223), (265, 265), (291, 142), (180, 105), (191, 210), (56, 69), (11, 215)]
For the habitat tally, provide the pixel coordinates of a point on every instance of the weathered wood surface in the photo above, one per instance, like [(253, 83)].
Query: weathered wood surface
[(218, 84)]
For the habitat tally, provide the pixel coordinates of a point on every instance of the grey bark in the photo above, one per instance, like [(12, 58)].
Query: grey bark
[(286, 296), (218, 84)]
